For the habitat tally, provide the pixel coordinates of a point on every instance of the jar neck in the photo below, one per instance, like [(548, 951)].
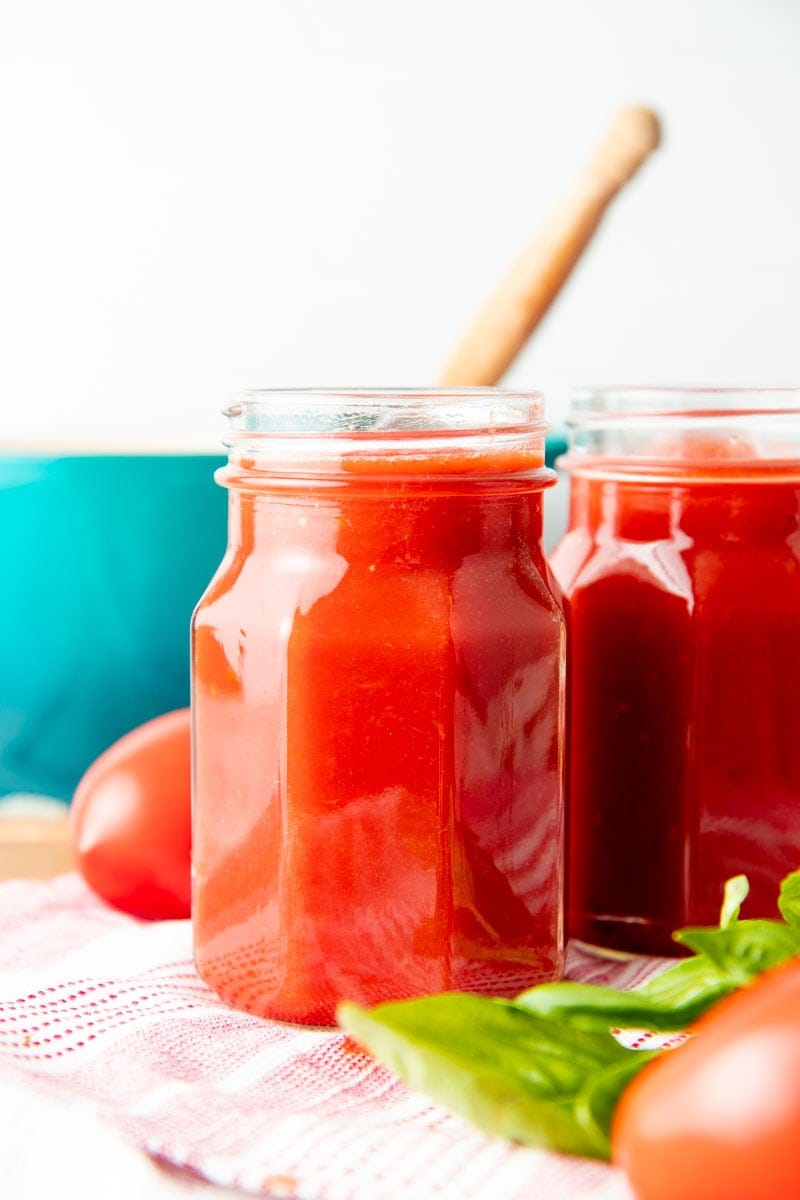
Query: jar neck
[(339, 434), (437, 530), (764, 506)]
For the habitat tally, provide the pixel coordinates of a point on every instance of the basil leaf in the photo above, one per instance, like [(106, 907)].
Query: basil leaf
[(543, 1068), (686, 989), (666, 1003), (736, 891), (744, 949), (595, 1104), (725, 959), (789, 899), (508, 1071)]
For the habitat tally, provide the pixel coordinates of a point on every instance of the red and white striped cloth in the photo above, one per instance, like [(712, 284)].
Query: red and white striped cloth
[(107, 1012)]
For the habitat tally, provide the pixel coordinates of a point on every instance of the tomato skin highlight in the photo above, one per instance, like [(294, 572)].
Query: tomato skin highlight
[(718, 1118), (130, 821)]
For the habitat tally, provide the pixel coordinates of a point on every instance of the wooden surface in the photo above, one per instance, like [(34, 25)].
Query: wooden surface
[(34, 847)]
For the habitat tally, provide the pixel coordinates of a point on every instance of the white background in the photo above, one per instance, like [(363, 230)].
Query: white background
[(202, 195)]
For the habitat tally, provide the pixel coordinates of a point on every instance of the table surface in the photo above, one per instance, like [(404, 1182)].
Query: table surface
[(33, 847)]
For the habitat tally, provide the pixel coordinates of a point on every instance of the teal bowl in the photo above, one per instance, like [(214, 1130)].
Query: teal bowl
[(105, 557)]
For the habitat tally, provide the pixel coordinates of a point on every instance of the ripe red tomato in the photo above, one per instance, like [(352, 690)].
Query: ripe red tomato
[(130, 821), (718, 1118)]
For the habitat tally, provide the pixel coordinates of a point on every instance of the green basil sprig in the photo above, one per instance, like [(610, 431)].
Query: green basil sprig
[(508, 1071), (789, 900), (544, 1068)]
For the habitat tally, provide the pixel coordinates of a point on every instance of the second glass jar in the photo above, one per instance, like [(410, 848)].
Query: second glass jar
[(681, 569)]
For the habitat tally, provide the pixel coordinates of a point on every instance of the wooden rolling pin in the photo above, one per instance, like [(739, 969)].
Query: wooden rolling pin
[(523, 297)]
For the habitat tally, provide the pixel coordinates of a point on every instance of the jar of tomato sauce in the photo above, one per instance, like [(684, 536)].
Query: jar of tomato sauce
[(682, 571), (378, 699)]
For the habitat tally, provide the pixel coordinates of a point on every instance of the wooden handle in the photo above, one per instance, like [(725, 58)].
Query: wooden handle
[(523, 297)]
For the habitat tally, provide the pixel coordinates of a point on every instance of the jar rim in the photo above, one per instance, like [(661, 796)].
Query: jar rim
[(622, 402), (397, 412)]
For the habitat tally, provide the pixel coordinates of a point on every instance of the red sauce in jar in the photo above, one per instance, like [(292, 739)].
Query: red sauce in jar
[(378, 706), (684, 727)]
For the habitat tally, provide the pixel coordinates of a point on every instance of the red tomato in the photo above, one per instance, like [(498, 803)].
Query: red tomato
[(130, 822), (719, 1117)]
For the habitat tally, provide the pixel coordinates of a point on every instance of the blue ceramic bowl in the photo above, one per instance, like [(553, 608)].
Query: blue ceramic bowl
[(104, 558)]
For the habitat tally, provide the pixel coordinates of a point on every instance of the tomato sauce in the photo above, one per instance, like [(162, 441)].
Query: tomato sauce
[(683, 589), (378, 701)]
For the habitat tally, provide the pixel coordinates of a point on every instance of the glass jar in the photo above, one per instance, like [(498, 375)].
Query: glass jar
[(681, 568), (378, 697)]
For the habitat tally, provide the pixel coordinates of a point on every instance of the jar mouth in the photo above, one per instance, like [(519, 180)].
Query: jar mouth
[(413, 435), (384, 412), (665, 431), (615, 403)]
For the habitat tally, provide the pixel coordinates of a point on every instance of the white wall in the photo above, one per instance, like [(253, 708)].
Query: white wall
[(200, 195)]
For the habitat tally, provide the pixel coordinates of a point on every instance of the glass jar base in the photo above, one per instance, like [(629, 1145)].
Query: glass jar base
[(604, 952), (317, 1008), (622, 938)]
